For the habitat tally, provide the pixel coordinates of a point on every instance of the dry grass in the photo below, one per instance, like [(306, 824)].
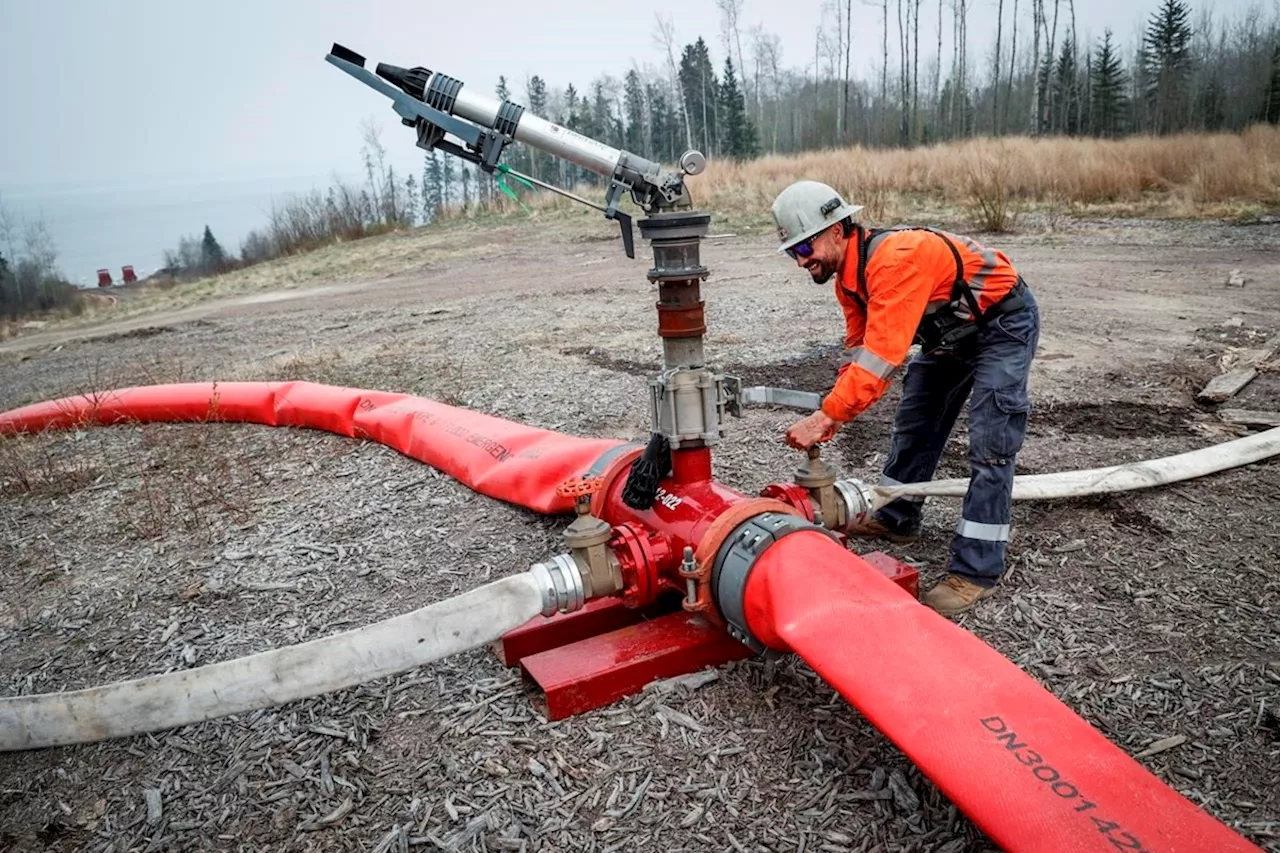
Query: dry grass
[(1179, 176)]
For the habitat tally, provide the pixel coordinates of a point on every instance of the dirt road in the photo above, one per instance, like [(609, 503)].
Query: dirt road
[(134, 550)]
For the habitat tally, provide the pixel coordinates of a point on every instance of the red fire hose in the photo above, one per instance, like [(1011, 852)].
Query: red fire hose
[(1026, 769), (509, 461)]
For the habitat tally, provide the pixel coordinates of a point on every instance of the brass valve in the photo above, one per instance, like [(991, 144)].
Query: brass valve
[(820, 479), (588, 536)]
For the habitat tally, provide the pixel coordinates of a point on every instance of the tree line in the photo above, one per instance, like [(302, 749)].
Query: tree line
[(1186, 72)]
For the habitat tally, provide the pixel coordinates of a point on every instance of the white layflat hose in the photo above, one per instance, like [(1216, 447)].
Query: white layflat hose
[(1117, 478), (271, 678)]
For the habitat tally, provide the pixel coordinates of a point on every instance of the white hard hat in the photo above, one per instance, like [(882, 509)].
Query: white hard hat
[(805, 208)]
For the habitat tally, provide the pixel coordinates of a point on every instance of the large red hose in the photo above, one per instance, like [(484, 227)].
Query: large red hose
[(512, 462), (1026, 769)]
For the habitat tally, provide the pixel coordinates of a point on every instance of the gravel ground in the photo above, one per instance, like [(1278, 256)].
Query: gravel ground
[(144, 549)]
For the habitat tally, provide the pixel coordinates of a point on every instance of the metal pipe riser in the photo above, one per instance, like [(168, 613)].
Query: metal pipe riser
[(676, 240)]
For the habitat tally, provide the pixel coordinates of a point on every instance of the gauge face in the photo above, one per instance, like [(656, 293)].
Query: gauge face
[(693, 162)]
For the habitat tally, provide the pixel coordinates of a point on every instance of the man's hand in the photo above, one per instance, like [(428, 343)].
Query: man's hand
[(816, 428)]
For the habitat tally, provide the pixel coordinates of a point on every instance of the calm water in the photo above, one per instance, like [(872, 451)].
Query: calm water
[(110, 226)]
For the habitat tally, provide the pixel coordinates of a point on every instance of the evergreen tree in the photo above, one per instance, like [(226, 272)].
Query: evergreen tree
[(447, 194), (739, 134), (411, 201), (1065, 100), (1271, 104), (664, 124), (570, 107), (536, 93), (1166, 60), (432, 186), (1044, 80), (1107, 84), (608, 129), (634, 104), (501, 90), (700, 87), (570, 119), (212, 257)]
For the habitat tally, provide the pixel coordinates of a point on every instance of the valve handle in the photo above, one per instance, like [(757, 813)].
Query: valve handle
[(577, 487)]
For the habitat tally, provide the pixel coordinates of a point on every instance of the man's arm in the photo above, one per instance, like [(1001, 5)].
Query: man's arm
[(898, 294), (818, 427)]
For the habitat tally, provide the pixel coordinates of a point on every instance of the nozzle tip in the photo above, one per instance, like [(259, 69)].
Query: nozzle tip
[(347, 54), (412, 81)]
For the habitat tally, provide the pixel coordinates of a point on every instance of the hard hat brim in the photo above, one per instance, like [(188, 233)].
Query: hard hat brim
[(843, 213)]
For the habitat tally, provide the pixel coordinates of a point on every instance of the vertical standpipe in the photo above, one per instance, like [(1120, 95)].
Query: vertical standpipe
[(687, 397)]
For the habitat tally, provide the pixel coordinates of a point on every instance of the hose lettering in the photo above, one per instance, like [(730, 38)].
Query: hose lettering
[(1029, 758), (1050, 776), (1044, 771), (1066, 786), (488, 445), (1010, 742)]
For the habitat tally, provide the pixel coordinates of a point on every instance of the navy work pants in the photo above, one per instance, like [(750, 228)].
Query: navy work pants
[(990, 370)]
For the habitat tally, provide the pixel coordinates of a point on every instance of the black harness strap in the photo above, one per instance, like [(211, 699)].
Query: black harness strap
[(870, 240)]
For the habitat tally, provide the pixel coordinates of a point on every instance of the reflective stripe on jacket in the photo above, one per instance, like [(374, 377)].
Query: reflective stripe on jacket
[(907, 273)]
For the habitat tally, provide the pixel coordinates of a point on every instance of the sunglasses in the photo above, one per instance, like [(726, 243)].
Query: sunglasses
[(803, 249)]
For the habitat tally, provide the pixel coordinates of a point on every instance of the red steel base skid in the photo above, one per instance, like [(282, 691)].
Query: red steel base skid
[(597, 655)]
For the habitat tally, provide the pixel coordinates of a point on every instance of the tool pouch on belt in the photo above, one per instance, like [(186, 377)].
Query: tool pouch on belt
[(944, 330)]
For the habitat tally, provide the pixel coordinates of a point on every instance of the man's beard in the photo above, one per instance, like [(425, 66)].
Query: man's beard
[(823, 273)]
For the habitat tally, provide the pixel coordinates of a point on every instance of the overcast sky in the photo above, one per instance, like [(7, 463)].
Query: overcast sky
[(101, 93)]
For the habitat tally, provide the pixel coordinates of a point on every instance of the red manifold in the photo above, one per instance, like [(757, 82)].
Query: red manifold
[(613, 647)]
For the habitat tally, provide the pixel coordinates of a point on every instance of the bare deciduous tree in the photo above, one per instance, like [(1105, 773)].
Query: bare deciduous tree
[(1013, 60), (995, 71), (664, 33)]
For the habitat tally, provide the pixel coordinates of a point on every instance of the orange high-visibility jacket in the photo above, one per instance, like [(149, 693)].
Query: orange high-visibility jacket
[(907, 273)]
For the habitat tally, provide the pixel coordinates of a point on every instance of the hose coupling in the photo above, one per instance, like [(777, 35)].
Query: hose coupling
[(560, 582), (857, 501)]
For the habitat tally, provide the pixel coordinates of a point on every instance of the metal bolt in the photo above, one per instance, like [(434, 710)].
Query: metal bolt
[(688, 568)]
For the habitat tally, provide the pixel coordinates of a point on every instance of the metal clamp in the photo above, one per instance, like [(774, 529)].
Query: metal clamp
[(688, 406), (442, 92), (508, 118), (735, 560)]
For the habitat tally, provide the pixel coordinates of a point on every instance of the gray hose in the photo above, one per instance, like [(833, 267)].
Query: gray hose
[(157, 702), (1117, 478)]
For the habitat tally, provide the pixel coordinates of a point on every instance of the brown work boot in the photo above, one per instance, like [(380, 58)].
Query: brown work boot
[(873, 528), (955, 594)]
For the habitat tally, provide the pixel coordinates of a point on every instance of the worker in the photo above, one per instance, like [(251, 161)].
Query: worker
[(977, 325)]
